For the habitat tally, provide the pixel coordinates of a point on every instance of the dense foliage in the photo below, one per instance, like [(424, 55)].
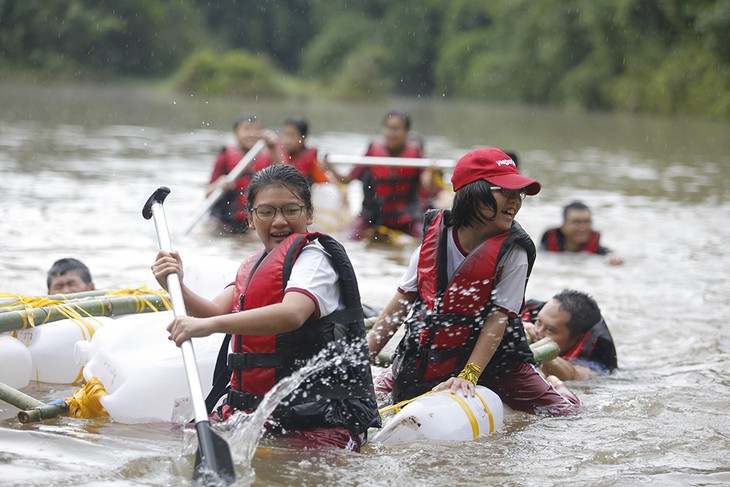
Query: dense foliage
[(664, 56)]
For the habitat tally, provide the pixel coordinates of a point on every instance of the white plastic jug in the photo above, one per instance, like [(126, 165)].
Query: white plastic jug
[(52, 347), (443, 416), (141, 369), (16, 363)]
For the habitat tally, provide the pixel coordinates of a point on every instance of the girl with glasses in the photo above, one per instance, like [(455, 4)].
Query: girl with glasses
[(295, 298)]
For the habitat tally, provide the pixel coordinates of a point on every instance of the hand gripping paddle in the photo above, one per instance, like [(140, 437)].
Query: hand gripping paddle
[(214, 455)]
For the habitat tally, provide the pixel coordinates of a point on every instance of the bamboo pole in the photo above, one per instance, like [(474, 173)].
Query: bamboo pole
[(16, 299), (115, 305), (16, 398), (31, 409)]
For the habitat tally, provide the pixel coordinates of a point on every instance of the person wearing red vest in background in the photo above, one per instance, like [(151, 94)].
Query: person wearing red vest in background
[(295, 299), (297, 154), (573, 320), (465, 286), (391, 194), (577, 235), (230, 210)]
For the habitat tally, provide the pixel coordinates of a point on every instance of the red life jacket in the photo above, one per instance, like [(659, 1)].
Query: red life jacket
[(390, 193), (305, 162), (343, 397), (233, 203), (554, 241), (450, 313)]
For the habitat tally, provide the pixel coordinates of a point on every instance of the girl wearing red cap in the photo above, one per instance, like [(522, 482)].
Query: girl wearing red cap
[(465, 286)]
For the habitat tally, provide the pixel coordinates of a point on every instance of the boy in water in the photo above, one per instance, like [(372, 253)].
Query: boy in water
[(68, 276)]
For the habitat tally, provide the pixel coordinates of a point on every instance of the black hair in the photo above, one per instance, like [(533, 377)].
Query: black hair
[(575, 205), (515, 159), (469, 201), (299, 123), (399, 114), (245, 117), (280, 175), (62, 266), (583, 309)]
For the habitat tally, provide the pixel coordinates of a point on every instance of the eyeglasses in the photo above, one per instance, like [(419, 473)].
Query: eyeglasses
[(290, 211), (509, 192)]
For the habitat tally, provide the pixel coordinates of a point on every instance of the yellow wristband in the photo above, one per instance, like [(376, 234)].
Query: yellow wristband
[(471, 372)]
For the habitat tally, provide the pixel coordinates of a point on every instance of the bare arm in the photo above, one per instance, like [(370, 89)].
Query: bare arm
[(342, 178), (388, 322), (564, 370), (287, 316), (487, 343), (195, 305)]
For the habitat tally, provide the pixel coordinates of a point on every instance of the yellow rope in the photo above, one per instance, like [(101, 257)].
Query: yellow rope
[(396, 407), (72, 310), (86, 402)]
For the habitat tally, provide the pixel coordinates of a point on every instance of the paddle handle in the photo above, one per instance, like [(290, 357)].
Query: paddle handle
[(213, 197), (356, 160), (156, 211)]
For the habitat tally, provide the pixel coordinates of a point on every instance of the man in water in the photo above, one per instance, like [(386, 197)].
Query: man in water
[(573, 320), (68, 276), (577, 235)]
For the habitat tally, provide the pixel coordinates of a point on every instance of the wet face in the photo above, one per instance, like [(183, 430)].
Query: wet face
[(509, 202), (284, 221), (577, 228), (248, 133), (292, 139), (552, 322), (395, 133), (68, 283)]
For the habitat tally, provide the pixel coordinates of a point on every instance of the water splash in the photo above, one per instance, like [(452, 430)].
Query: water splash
[(244, 431)]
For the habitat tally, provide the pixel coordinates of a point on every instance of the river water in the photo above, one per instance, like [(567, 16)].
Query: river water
[(77, 164)]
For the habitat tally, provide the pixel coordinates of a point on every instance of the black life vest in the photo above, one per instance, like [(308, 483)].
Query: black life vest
[(554, 241), (597, 343), (390, 193), (339, 397), (449, 315)]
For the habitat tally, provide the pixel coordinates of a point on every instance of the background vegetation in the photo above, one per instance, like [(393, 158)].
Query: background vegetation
[(662, 56)]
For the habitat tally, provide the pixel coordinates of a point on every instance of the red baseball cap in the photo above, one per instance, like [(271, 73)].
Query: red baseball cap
[(493, 166)]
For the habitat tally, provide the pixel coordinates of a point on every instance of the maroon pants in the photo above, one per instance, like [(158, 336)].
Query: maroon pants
[(521, 387)]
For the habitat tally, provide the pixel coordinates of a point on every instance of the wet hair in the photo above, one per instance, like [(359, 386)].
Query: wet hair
[(245, 117), (280, 175), (465, 209), (583, 309), (399, 114), (298, 123), (575, 205), (63, 266)]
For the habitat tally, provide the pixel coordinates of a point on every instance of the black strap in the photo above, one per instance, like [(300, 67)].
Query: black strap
[(344, 316), (239, 361), (221, 376), (243, 400)]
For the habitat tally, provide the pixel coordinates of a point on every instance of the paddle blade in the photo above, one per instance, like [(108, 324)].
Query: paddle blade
[(213, 461)]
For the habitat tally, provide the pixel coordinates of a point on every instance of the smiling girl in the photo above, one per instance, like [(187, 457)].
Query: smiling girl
[(296, 297), (466, 285)]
